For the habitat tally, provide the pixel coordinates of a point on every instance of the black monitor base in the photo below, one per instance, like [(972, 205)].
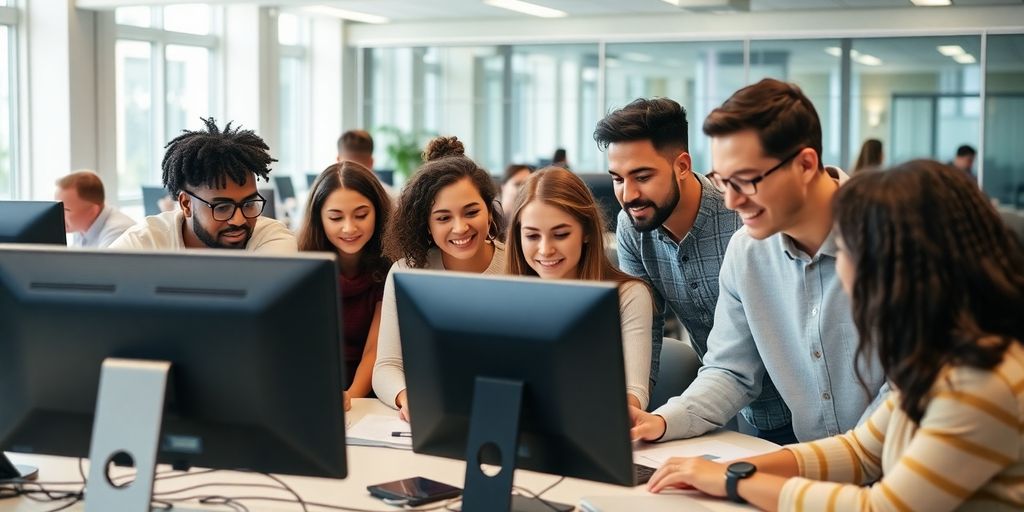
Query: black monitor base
[(9, 471), (527, 504)]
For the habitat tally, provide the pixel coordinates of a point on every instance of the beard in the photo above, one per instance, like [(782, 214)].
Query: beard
[(212, 241), (661, 211)]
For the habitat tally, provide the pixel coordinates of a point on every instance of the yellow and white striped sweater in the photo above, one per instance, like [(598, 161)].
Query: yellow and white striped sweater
[(967, 453)]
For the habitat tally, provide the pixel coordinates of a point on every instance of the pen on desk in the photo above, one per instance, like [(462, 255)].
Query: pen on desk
[(401, 434)]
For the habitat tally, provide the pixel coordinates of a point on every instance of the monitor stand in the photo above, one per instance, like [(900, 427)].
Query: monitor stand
[(494, 428), (129, 411), (11, 471)]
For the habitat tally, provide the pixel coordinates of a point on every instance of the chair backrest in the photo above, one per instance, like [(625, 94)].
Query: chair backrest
[(679, 364)]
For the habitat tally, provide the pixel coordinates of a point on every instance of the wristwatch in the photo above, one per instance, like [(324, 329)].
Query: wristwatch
[(733, 474)]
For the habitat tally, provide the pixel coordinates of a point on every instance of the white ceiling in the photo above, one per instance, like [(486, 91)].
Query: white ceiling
[(421, 10)]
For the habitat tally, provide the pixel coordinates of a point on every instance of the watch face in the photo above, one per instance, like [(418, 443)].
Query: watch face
[(742, 469)]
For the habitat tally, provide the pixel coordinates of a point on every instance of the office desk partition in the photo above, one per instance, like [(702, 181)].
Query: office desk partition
[(367, 466)]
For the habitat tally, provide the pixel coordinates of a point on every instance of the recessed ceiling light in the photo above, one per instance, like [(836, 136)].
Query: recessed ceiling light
[(527, 8), (931, 3), (346, 14), (612, 63), (834, 51), (638, 57), (951, 50), (867, 60), (965, 58)]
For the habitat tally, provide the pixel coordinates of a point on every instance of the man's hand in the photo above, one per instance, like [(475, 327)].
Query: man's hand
[(646, 426)]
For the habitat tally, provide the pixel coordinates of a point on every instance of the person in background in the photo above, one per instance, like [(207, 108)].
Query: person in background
[(870, 156), (347, 210), (356, 146), (964, 159), (781, 311), (448, 218), (86, 214), (556, 232), (559, 159), (213, 174), (937, 294), (515, 175)]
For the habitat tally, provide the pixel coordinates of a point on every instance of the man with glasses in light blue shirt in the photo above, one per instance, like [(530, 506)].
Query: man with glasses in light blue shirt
[(673, 231), (213, 175), (781, 309)]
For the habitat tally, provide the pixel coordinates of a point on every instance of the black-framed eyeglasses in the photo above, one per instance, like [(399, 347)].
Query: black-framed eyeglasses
[(747, 187), (225, 210)]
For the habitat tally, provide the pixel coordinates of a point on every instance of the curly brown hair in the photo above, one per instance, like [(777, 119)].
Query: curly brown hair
[(937, 271), (408, 234), (352, 176)]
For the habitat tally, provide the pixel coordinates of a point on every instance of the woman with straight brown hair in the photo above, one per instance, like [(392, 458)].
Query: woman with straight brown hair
[(346, 214), (556, 232)]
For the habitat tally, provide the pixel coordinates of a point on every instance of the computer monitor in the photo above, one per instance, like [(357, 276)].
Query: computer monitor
[(244, 392), (604, 193), (151, 196), (269, 209), (507, 359), (310, 180), (285, 188), (32, 222)]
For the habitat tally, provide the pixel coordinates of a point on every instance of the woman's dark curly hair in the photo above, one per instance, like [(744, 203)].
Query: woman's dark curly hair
[(208, 158), (408, 234), (355, 177), (936, 272)]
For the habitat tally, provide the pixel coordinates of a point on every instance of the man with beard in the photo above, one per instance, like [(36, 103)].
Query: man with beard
[(213, 175), (673, 231)]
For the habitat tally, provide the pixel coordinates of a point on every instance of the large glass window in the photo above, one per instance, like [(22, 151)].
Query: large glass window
[(919, 95), (700, 76), (8, 116), (1004, 120), (293, 107), (164, 81)]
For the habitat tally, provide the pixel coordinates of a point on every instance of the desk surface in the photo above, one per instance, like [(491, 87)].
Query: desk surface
[(366, 466)]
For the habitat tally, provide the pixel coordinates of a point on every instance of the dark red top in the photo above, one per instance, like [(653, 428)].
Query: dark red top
[(359, 298)]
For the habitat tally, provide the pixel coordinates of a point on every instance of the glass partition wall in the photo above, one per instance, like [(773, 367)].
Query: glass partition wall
[(922, 96)]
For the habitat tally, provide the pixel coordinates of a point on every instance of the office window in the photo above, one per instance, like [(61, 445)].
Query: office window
[(554, 96), (8, 113), (921, 102), (165, 82), (294, 96), (814, 65), (1004, 120), (700, 76)]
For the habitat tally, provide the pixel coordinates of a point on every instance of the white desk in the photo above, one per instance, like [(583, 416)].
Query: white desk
[(366, 466)]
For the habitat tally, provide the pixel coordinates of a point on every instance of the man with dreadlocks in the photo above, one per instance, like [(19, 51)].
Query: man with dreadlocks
[(213, 174)]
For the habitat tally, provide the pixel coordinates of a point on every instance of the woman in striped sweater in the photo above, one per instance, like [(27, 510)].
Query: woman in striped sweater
[(937, 285)]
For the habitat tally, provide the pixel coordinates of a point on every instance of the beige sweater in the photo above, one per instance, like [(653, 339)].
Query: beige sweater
[(967, 453)]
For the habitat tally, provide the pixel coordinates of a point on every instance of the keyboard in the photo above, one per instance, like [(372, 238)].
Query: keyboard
[(642, 474)]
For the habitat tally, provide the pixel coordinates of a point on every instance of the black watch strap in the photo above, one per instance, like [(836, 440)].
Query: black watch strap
[(733, 474)]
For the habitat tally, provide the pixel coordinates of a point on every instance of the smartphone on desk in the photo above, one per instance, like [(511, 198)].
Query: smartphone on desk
[(413, 491)]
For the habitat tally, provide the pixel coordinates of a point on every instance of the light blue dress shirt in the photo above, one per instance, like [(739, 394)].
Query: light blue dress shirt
[(782, 313)]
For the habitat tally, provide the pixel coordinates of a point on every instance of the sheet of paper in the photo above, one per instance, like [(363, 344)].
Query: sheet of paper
[(380, 430), (655, 455)]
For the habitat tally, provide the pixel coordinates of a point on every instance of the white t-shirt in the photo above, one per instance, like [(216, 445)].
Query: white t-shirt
[(163, 232)]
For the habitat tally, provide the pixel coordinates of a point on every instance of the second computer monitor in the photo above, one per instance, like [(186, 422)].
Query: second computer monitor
[(254, 344), (32, 222), (559, 341)]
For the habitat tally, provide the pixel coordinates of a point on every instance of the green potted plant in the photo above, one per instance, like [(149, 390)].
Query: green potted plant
[(404, 150)]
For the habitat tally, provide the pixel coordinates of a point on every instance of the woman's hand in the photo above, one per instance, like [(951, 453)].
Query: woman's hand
[(403, 405), (689, 473)]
